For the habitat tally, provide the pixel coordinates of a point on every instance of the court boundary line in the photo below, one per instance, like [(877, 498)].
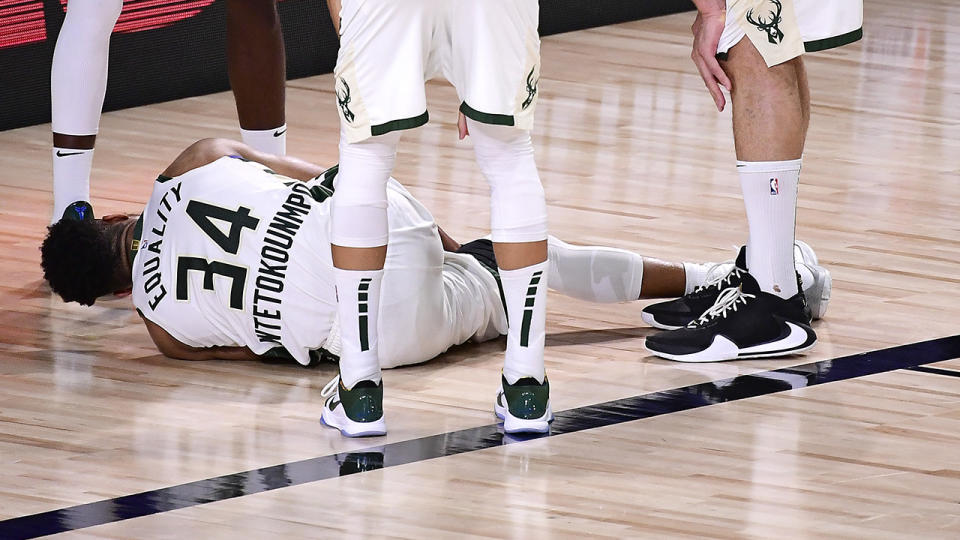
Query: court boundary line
[(936, 371), (903, 357)]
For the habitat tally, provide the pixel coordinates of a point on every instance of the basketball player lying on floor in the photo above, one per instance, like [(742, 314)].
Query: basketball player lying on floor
[(230, 259)]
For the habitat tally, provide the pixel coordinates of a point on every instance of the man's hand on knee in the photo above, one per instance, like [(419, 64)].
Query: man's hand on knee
[(707, 29)]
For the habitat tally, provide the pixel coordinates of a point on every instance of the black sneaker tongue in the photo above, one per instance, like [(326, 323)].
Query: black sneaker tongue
[(749, 285), (79, 211), (741, 261)]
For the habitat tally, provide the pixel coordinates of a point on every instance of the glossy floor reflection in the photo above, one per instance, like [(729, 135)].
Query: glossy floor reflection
[(633, 155), (470, 440)]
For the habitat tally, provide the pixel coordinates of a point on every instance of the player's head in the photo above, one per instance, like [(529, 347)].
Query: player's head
[(86, 258)]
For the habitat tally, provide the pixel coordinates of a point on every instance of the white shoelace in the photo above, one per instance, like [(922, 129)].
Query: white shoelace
[(716, 277), (330, 387), (728, 300)]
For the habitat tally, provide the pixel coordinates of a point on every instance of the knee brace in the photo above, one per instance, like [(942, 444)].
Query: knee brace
[(78, 78), (518, 207), (358, 212)]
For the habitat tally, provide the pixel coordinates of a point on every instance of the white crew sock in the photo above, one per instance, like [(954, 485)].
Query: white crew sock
[(770, 196), (71, 178), (525, 291), (358, 299), (269, 141), (695, 275)]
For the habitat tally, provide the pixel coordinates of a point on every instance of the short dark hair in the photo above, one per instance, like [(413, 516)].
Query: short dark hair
[(79, 260)]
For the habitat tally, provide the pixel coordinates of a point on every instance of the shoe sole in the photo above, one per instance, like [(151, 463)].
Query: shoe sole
[(652, 321), (819, 298), (349, 428), (514, 425), (698, 359), (725, 350)]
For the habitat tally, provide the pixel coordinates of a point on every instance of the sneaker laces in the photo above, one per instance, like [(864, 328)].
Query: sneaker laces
[(330, 387), (717, 277), (728, 300), (721, 273)]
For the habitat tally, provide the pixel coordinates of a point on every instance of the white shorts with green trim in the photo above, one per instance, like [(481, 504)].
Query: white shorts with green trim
[(784, 29), (488, 49)]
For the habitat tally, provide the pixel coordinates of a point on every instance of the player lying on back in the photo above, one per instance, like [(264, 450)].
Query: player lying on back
[(230, 259)]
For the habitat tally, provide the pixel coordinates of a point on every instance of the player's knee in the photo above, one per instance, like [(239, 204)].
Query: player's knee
[(750, 75), (518, 211), (94, 17), (358, 214), (365, 168), (495, 146)]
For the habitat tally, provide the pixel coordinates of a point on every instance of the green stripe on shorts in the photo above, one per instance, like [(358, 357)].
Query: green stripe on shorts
[(832, 42), (486, 118), (403, 123)]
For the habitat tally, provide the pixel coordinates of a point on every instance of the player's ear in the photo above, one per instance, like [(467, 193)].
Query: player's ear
[(113, 218), (123, 293)]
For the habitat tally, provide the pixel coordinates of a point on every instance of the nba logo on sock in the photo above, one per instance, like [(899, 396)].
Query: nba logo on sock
[(774, 186)]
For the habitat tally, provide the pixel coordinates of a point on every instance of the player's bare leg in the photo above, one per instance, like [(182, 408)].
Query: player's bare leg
[(518, 222), (771, 114), (78, 83), (256, 63), (770, 119)]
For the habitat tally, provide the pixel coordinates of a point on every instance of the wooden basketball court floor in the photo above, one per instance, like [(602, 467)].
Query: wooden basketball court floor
[(633, 155)]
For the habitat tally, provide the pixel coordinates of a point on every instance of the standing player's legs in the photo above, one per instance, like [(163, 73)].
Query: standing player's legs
[(256, 64), (495, 66), (359, 235), (379, 89), (771, 113), (78, 83), (766, 314)]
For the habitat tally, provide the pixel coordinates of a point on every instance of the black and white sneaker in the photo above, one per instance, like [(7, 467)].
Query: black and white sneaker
[(682, 311), (745, 322)]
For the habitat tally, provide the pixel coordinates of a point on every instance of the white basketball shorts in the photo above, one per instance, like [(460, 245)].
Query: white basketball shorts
[(784, 29), (488, 49)]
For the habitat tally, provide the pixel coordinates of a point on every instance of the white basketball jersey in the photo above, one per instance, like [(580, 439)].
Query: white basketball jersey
[(233, 254)]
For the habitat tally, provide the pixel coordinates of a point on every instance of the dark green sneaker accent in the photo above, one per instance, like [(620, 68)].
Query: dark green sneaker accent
[(364, 403), (527, 399)]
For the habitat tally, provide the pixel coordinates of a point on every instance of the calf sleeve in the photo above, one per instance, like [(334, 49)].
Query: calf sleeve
[(594, 274)]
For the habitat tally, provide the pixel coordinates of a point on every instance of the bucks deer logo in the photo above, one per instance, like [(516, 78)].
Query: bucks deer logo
[(343, 99), (771, 26), (531, 89)]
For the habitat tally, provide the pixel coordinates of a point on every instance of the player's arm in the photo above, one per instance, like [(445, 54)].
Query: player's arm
[(449, 244), (169, 346), (207, 151), (334, 7)]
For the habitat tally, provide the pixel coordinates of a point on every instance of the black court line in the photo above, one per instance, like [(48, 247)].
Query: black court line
[(479, 438), (936, 371)]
